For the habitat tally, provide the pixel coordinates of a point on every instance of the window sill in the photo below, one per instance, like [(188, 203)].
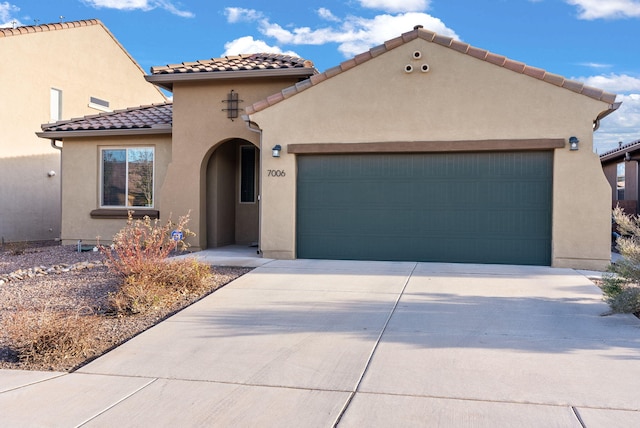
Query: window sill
[(108, 213)]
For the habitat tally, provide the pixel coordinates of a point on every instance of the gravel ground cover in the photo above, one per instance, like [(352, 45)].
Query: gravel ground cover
[(79, 286)]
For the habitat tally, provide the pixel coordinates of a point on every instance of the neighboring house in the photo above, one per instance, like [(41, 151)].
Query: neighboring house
[(48, 72), (620, 166), (423, 148)]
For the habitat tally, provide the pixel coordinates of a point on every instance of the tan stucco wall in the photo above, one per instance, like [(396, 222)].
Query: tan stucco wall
[(460, 98), (81, 185), (82, 62), (199, 126)]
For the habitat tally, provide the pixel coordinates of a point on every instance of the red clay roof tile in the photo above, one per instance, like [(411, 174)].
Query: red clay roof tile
[(131, 118), (257, 61)]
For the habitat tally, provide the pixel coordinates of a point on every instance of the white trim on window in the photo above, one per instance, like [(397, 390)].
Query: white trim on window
[(126, 196), (55, 105)]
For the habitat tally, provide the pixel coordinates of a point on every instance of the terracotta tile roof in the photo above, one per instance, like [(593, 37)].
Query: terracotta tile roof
[(256, 61), (152, 116), (621, 150), (430, 36), (29, 29)]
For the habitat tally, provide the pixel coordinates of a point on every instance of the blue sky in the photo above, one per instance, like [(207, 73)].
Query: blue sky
[(594, 41)]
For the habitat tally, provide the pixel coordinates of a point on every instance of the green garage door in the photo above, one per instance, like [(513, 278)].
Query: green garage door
[(489, 207)]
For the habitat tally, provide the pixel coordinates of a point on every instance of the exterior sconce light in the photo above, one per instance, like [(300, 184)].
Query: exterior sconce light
[(275, 152), (573, 143)]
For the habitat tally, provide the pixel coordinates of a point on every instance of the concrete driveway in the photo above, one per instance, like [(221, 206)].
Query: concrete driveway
[(378, 344)]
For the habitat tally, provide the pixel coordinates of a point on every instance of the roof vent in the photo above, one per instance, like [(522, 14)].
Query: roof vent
[(417, 27)]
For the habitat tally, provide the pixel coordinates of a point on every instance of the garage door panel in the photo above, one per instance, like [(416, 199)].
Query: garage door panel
[(462, 207)]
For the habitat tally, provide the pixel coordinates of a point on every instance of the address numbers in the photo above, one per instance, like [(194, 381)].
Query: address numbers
[(276, 173)]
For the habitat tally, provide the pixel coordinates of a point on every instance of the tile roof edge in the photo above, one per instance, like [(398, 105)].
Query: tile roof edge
[(105, 114), (30, 29), (460, 47), (620, 150)]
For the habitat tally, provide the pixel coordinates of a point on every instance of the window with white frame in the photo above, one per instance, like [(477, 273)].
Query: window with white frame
[(127, 177), (55, 105)]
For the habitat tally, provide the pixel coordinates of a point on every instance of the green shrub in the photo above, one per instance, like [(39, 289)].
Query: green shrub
[(621, 285)]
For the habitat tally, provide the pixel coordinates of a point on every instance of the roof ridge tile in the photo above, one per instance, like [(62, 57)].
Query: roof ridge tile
[(30, 29)]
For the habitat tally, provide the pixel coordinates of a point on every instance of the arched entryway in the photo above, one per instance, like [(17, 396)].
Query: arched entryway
[(232, 194)]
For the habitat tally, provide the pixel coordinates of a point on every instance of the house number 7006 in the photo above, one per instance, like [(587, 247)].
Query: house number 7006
[(275, 173)]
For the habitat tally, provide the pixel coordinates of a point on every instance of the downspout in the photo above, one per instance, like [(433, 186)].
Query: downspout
[(602, 115), (252, 126), (53, 144)]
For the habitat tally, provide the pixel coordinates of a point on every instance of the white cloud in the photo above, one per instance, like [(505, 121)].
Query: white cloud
[(616, 83), (7, 11), (622, 125), (327, 15), (144, 5), (396, 5), (248, 44), (595, 65), (239, 14), (607, 9), (355, 35)]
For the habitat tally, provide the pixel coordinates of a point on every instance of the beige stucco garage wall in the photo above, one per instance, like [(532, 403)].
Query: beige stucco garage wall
[(81, 59), (460, 98), (199, 127), (81, 185)]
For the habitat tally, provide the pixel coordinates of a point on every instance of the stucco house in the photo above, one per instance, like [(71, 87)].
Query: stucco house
[(48, 72), (423, 148), (620, 166)]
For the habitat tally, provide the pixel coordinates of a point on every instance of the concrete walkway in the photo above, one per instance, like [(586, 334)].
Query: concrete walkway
[(360, 344)]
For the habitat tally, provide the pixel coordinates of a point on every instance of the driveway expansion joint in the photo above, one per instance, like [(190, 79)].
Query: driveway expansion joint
[(373, 350)]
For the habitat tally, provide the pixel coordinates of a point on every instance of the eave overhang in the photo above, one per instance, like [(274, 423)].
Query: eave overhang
[(166, 80), (59, 135)]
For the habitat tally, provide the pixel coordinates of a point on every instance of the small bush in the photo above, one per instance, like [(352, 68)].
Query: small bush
[(49, 337), (139, 255), (621, 285), (142, 241), (158, 286), (17, 248)]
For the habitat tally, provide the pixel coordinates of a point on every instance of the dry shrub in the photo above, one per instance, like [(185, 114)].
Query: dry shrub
[(139, 255), (16, 248), (142, 242), (50, 337), (159, 285), (621, 286)]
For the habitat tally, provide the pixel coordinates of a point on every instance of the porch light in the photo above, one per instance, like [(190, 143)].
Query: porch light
[(275, 152), (573, 143)]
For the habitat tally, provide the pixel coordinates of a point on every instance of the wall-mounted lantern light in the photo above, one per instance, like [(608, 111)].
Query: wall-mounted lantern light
[(573, 143), (275, 152)]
